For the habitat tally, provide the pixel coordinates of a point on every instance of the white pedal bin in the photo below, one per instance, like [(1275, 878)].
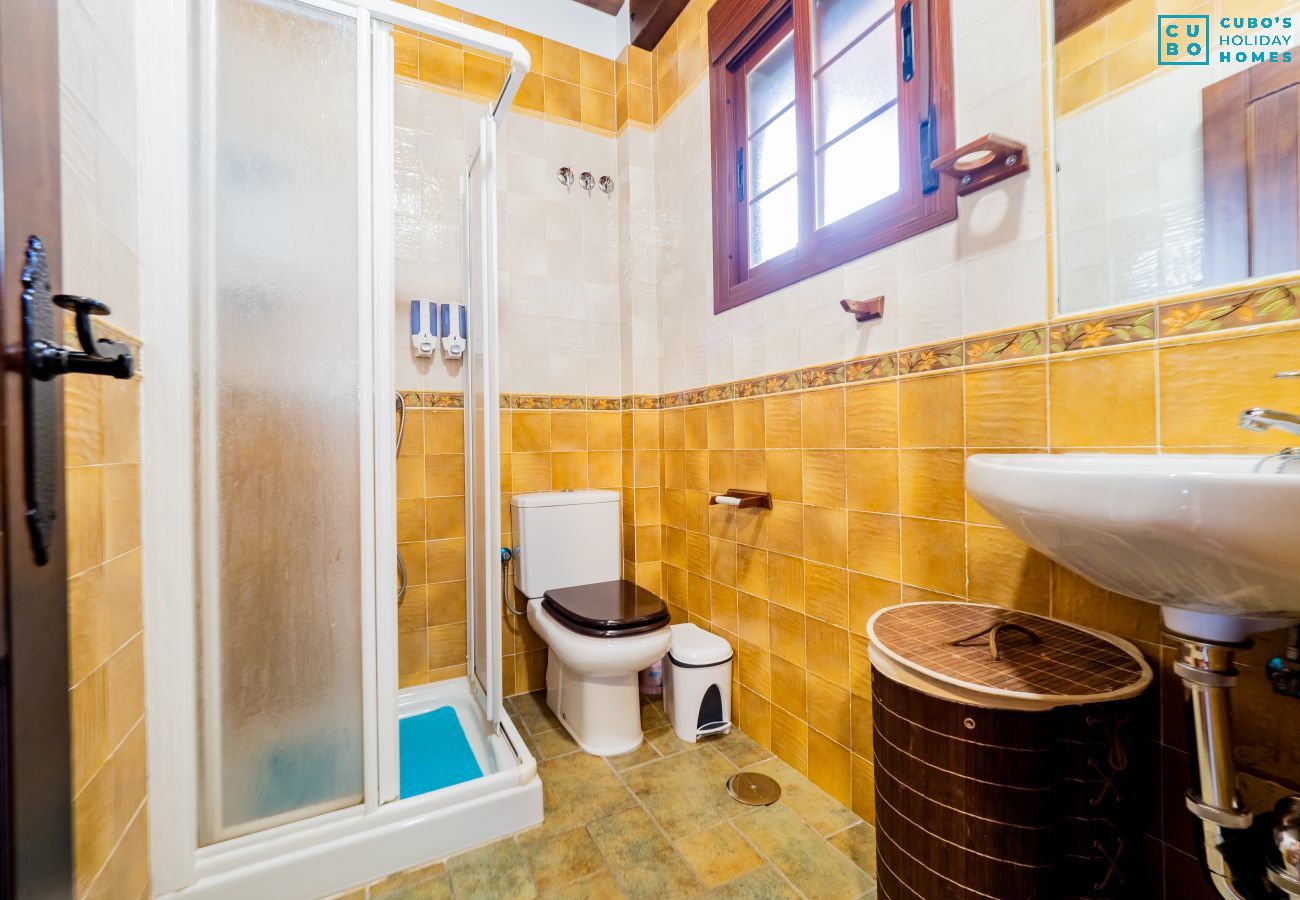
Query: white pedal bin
[(697, 683)]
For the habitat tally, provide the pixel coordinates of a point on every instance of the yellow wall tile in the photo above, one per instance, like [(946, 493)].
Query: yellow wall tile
[(790, 739), (563, 100), (1082, 87), (931, 484), (823, 418), (931, 411), (872, 477), (596, 72), (871, 413), (874, 544), (826, 593), (1004, 571), (825, 535), (1205, 386), (441, 64), (828, 767), (562, 62), (934, 555), (598, 110), (824, 479), (781, 421), (1106, 400), (1007, 407), (1085, 46)]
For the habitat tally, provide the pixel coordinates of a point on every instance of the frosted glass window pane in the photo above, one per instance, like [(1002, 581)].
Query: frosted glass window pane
[(840, 21), (860, 169), (279, 459), (857, 84), (774, 223), (774, 153), (769, 87)]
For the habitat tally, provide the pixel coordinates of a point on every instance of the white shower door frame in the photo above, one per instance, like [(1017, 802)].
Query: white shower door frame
[(376, 835)]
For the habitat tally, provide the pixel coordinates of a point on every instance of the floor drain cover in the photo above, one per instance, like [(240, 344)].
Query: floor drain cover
[(753, 788)]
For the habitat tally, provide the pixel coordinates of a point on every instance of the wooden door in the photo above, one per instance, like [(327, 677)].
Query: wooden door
[(1251, 152), (35, 780)]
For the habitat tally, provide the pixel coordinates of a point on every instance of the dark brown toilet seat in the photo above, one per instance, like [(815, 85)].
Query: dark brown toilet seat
[(606, 609)]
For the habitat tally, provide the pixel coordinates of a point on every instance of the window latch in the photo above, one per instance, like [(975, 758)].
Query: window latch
[(929, 152), (906, 25), (740, 173)]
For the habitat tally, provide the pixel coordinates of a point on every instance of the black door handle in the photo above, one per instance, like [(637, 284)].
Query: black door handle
[(41, 360), (97, 356)]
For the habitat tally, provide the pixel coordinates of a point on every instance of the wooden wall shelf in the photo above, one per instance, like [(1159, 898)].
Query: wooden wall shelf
[(983, 162)]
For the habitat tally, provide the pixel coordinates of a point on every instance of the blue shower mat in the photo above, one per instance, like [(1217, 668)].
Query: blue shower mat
[(434, 752)]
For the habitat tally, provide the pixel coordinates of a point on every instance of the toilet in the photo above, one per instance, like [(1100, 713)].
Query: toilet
[(600, 631)]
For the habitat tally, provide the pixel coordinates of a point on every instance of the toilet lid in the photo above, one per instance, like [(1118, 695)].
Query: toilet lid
[(606, 609)]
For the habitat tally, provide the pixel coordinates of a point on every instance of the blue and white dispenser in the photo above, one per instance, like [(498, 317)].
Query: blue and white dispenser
[(424, 327), (454, 329)]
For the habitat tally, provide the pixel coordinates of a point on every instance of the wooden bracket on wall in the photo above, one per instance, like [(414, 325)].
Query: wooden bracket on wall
[(743, 499), (983, 162), (865, 310)]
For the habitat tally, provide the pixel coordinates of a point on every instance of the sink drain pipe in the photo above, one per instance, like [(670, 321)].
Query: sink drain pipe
[(1208, 674)]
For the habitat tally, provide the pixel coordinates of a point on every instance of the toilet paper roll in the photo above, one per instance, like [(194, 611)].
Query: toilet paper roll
[(727, 501)]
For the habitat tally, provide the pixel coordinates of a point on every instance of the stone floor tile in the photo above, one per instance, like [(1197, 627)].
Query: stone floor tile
[(686, 792), (809, 802), (739, 747), (640, 858), (424, 883), (551, 744), (497, 871), (815, 867), (761, 884), (562, 858), (643, 754), (666, 741), (600, 886), (858, 844), (531, 709), (577, 789), (718, 854)]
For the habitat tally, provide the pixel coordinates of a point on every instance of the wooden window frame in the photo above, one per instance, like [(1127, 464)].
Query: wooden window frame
[(740, 31)]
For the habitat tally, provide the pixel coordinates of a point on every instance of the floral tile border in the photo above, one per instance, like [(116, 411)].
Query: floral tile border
[(932, 359), (1023, 344), (876, 367), (1108, 331), (822, 376), (1275, 304)]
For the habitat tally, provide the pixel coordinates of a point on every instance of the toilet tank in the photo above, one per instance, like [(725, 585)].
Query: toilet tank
[(564, 538)]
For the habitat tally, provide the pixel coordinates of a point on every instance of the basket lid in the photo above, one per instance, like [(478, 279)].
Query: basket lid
[(991, 656)]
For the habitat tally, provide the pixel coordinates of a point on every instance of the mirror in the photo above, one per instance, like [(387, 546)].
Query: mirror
[(1178, 165)]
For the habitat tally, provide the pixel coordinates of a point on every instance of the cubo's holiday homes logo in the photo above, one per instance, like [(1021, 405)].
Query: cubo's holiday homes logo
[(1183, 40), (1195, 40)]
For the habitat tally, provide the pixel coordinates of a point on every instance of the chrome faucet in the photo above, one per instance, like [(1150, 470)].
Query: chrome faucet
[(1257, 418)]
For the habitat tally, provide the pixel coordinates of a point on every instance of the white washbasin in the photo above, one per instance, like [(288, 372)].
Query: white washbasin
[(1216, 544)]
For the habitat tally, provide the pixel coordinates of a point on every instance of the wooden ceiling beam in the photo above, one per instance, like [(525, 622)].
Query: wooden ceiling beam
[(651, 19), (606, 6)]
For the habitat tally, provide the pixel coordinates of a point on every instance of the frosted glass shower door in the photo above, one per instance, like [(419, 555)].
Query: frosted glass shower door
[(483, 424), (282, 349)]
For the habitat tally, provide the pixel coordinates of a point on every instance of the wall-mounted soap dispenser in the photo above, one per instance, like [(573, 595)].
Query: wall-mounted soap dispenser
[(454, 330), (424, 327)]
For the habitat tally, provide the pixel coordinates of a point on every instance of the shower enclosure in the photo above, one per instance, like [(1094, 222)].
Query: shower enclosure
[(269, 486)]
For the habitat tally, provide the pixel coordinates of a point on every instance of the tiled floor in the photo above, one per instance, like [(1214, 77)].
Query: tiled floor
[(656, 823)]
